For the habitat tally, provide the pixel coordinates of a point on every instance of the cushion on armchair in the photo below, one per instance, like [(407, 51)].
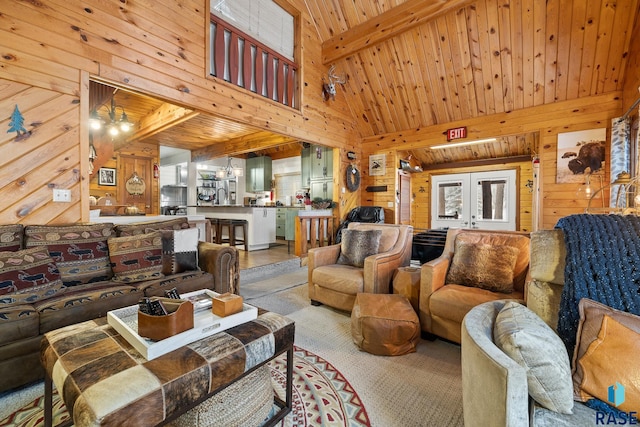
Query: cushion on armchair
[(612, 359), (594, 337), (357, 245), (524, 337), (484, 266)]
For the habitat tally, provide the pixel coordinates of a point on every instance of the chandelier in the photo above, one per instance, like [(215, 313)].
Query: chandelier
[(116, 124), (230, 170)]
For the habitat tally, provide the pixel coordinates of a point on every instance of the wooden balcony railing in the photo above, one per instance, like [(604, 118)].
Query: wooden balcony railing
[(312, 232), (239, 59)]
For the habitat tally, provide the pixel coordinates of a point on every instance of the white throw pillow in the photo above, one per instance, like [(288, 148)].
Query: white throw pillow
[(524, 337)]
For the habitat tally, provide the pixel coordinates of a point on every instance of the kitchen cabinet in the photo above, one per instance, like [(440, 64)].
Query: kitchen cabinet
[(263, 230), (285, 222), (306, 167), (321, 163), (290, 224), (258, 177), (280, 222), (317, 171), (322, 189)]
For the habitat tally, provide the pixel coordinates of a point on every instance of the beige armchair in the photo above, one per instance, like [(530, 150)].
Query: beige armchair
[(337, 285), (444, 303)]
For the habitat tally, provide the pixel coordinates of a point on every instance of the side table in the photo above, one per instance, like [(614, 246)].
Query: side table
[(406, 281), (103, 380)]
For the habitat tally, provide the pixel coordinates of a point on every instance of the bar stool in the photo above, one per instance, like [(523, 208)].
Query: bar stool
[(215, 230), (231, 225)]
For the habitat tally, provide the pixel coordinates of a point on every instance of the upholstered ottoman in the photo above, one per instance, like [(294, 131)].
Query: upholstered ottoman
[(384, 324)]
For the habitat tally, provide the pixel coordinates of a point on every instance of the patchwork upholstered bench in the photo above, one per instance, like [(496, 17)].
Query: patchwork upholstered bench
[(103, 380)]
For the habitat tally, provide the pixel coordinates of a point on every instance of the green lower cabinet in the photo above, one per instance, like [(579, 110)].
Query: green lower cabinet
[(281, 222), (290, 224)]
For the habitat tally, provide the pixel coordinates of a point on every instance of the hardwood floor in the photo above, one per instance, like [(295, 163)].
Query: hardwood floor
[(275, 254)]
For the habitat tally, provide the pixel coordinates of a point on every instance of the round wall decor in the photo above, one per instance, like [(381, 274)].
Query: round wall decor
[(352, 178), (135, 185)]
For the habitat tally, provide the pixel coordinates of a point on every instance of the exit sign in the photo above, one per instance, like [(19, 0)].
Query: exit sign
[(456, 133)]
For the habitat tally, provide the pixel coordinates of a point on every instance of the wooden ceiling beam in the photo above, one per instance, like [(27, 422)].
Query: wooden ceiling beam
[(389, 24), (162, 118), (478, 162), (256, 142), (242, 145)]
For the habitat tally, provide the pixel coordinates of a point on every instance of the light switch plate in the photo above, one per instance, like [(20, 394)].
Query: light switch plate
[(60, 195)]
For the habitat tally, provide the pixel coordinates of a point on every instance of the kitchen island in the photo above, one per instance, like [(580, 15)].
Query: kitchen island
[(261, 220)]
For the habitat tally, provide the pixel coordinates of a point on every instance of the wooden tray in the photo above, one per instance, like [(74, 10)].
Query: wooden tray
[(205, 323)]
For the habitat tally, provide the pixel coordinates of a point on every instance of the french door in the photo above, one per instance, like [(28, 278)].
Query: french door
[(485, 200)]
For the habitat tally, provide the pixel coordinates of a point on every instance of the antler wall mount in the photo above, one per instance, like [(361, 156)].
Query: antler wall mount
[(329, 84)]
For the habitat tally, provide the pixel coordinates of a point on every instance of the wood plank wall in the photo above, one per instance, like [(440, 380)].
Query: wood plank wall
[(557, 200), (157, 48), (30, 168)]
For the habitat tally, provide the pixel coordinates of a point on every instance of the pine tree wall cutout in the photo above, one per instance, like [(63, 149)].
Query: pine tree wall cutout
[(16, 124)]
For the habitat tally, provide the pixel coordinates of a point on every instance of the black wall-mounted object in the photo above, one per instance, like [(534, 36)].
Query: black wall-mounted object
[(351, 155), (376, 188)]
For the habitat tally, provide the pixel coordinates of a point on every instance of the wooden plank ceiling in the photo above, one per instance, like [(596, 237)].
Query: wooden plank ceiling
[(162, 123), (415, 63)]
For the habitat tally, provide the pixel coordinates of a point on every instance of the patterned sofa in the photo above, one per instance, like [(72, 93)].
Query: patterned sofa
[(54, 276)]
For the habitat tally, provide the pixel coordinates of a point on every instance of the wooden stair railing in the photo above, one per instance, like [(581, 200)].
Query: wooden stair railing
[(242, 60)]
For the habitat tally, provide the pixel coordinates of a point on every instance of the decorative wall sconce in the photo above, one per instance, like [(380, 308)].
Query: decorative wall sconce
[(115, 124)]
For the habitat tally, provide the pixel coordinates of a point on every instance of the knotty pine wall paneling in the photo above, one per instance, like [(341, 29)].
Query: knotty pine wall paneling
[(557, 200), (385, 199), (49, 158), (156, 48)]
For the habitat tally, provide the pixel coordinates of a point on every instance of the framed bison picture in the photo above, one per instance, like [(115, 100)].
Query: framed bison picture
[(579, 154)]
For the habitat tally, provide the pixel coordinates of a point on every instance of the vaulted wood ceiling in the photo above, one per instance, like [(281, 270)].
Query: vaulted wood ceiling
[(480, 57), (414, 63)]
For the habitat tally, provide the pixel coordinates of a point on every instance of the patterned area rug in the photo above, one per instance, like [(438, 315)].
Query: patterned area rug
[(321, 396)]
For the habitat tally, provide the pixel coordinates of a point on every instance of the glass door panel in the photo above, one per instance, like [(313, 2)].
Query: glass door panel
[(449, 200), (484, 200), (494, 194)]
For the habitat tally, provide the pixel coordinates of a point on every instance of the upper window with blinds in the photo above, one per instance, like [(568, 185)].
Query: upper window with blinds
[(262, 19), (252, 45)]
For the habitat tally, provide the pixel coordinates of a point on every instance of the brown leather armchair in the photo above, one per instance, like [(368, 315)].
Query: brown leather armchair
[(443, 305), (337, 285)]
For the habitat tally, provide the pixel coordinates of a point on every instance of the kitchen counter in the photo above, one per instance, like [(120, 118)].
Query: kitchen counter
[(198, 220), (261, 221)]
